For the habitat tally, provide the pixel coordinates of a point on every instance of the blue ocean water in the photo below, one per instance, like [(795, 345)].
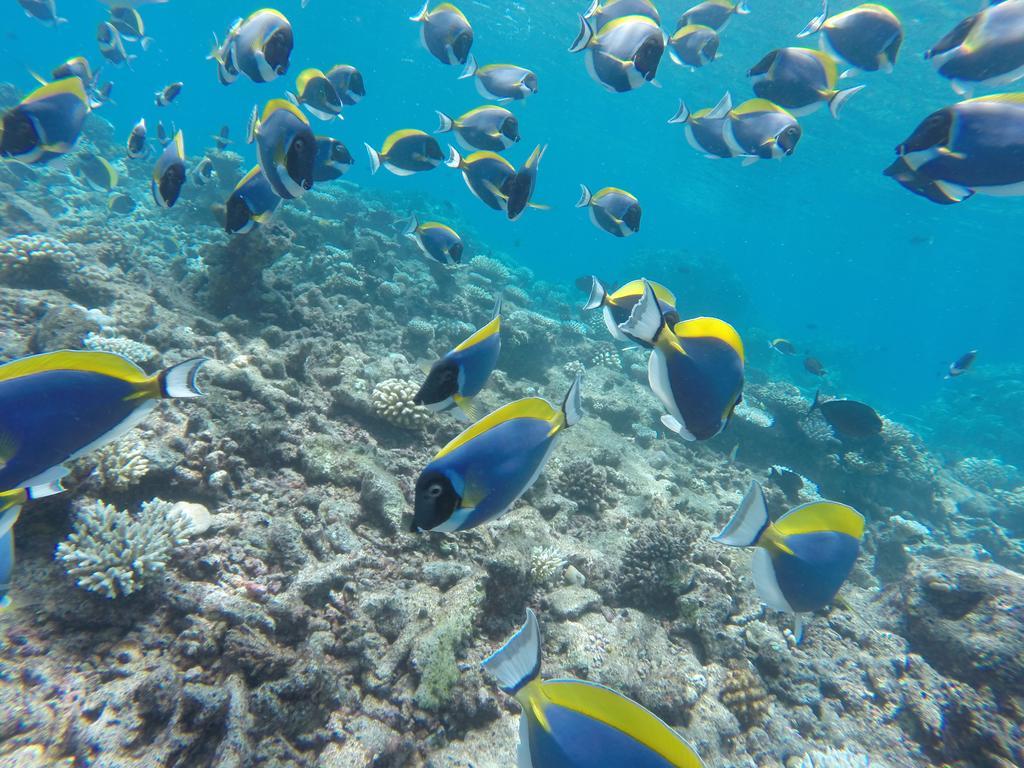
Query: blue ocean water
[(882, 286)]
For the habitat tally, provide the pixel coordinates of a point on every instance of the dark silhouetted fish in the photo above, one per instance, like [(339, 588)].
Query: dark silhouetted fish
[(848, 418)]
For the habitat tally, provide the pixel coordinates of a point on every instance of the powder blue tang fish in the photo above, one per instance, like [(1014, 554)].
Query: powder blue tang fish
[(252, 203), (695, 368), (480, 474), (286, 148), (59, 406), (45, 124), (802, 559), (616, 307), (458, 377), (10, 508), (986, 49), (169, 173), (576, 724)]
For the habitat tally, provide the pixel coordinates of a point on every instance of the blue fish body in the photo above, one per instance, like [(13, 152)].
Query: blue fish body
[(811, 576)]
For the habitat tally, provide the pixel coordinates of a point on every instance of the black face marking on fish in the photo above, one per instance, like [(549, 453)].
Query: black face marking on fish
[(442, 382), (19, 135), (435, 501), (278, 49)]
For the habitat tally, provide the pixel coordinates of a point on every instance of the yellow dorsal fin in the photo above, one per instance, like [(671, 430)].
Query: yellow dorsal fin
[(636, 288), (275, 104), (821, 516), (528, 408), (757, 105), (486, 332), (69, 85), (104, 363), (397, 136), (710, 327)]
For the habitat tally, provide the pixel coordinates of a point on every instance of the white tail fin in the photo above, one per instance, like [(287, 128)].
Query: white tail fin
[(410, 227), (722, 108), (572, 406), (253, 126), (470, 68), (497, 307), (749, 522), (585, 197), (52, 488), (146, 42), (423, 14), (597, 294), (446, 123), (815, 24), (586, 34), (454, 158), (292, 98), (839, 99), (517, 662), (741, 9), (682, 114), (374, 159), (215, 51), (645, 321), (180, 380)]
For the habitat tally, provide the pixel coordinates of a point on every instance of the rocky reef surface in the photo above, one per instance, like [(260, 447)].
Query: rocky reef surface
[(292, 620)]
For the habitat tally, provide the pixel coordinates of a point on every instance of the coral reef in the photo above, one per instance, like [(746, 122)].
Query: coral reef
[(136, 351), (115, 554), (744, 695), (654, 567), (392, 400), (120, 465)]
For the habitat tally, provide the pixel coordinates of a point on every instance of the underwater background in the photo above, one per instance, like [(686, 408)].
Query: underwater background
[(306, 626)]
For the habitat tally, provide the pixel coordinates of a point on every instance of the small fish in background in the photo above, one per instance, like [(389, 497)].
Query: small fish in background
[(121, 204), (286, 147), (252, 203), (803, 558), (922, 240), (332, 159), (260, 47), (759, 130), (59, 406), (800, 80), (163, 136), (167, 94), (77, 66), (169, 173), (112, 46), (783, 347), (11, 503), (733, 453), (480, 474), (202, 173), (866, 38), (595, 725), (617, 306), (849, 419), (437, 241), (705, 128), (788, 481), (622, 55), (713, 13), (970, 147), (453, 381), (223, 139), (348, 82), (612, 210), (518, 192), (490, 128), (406, 152), (695, 370), (501, 82), (317, 94), (610, 10), (46, 124), (814, 366), (445, 32), (102, 95), (693, 46), (96, 172), (962, 364), (42, 10), (487, 174), (985, 50), (128, 22)]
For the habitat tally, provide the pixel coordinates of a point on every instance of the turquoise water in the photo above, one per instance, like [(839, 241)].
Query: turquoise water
[(884, 287)]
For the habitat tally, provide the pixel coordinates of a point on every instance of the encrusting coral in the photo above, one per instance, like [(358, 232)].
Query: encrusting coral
[(114, 553), (392, 400)]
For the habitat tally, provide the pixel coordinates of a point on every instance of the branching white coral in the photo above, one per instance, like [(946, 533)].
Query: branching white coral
[(115, 553), (836, 758), (392, 400), (546, 563), (120, 465), (135, 351)]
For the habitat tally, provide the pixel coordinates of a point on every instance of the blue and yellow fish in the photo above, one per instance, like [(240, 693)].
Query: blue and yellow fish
[(802, 559), (10, 508), (576, 724), (480, 474), (252, 203), (459, 376), (59, 406), (260, 47), (617, 306), (986, 49), (705, 128), (800, 80), (487, 174), (695, 368), (285, 146), (614, 210), (445, 32), (169, 173), (406, 152), (45, 124)]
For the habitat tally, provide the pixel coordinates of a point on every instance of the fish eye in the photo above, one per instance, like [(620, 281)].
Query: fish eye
[(435, 490)]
